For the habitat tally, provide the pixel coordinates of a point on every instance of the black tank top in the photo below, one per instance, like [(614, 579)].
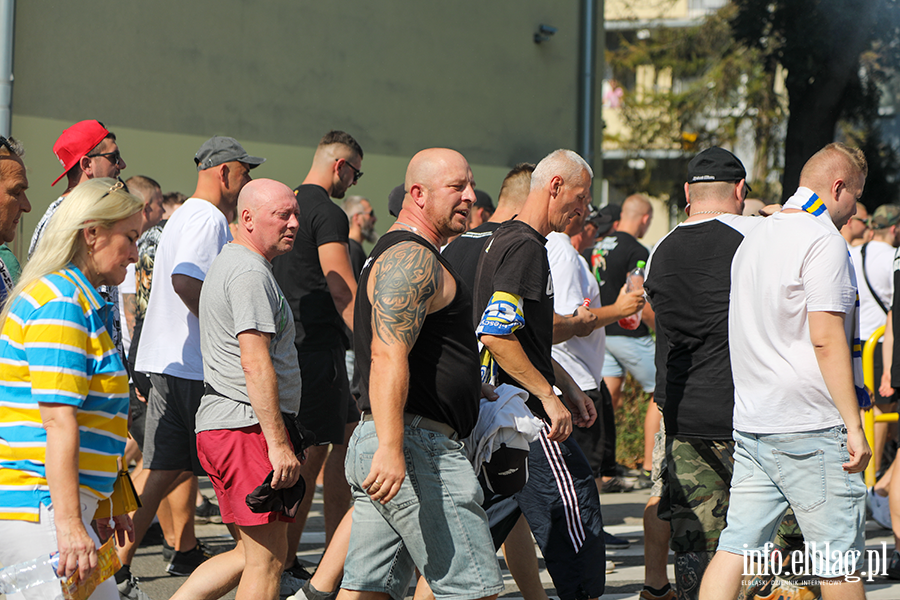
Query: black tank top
[(444, 372)]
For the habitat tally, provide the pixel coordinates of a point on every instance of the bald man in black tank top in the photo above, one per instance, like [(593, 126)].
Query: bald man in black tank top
[(416, 497)]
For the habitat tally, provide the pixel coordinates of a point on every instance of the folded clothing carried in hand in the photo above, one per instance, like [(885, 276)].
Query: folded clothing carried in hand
[(286, 500)]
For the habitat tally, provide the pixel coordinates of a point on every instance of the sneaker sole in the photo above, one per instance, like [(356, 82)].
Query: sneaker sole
[(176, 572), (207, 520)]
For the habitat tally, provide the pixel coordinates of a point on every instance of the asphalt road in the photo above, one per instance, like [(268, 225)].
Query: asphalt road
[(622, 515)]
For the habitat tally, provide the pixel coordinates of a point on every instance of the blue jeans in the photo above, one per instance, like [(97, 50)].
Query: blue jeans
[(435, 522), (803, 471)]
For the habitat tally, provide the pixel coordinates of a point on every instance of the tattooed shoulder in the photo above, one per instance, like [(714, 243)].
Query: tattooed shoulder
[(406, 276)]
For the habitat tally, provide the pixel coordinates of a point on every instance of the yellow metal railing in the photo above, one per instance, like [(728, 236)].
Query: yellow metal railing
[(869, 417)]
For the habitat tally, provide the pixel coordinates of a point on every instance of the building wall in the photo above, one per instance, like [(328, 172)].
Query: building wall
[(399, 76), (647, 9), (168, 158)]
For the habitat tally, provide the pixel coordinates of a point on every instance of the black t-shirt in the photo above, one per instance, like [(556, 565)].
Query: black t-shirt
[(299, 272), (464, 252), (444, 371), (515, 261), (614, 257), (357, 257), (689, 283)]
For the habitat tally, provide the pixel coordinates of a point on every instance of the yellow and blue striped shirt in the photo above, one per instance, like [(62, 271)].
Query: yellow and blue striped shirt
[(55, 348)]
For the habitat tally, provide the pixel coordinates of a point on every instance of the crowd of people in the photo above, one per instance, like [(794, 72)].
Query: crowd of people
[(456, 388)]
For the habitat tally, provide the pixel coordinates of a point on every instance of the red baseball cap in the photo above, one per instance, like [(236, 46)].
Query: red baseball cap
[(77, 141)]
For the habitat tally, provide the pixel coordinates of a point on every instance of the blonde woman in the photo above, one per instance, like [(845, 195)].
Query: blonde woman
[(63, 387)]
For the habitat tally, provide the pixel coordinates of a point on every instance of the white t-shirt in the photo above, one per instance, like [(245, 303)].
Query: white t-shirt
[(170, 337), (790, 265), (126, 287), (581, 357), (879, 267)]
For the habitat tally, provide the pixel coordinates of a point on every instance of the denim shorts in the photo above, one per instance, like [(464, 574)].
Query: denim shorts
[(435, 522), (803, 471), (633, 354)]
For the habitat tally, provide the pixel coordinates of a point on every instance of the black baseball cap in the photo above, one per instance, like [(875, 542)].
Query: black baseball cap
[(603, 221), (716, 164), (483, 200), (507, 471)]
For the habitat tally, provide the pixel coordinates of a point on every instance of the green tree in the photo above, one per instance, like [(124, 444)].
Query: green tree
[(792, 75), (823, 46), (720, 91)]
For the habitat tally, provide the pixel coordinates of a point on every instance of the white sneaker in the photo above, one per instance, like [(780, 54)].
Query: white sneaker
[(610, 566), (129, 590), (880, 508)]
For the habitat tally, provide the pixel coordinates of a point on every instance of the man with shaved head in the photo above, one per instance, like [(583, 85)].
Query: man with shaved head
[(416, 497), (320, 286), (252, 387), (169, 349), (793, 338), (464, 252)]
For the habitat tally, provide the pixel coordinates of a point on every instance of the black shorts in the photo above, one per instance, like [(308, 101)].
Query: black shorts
[(170, 439), (598, 442), (137, 415), (326, 405)]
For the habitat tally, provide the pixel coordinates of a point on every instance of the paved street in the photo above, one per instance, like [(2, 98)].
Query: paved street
[(621, 513)]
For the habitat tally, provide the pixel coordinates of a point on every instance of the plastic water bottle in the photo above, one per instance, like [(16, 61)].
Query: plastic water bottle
[(633, 282), (29, 574)]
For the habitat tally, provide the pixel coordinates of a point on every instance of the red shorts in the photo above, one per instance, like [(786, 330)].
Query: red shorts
[(237, 462)]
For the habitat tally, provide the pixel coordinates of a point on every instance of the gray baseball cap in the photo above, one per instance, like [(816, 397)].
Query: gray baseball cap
[(219, 149)]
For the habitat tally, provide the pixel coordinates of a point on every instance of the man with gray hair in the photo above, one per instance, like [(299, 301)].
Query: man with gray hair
[(362, 229), (513, 314)]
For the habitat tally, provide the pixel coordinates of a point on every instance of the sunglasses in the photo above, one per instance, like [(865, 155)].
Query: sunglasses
[(114, 156), (118, 185), (356, 172), (5, 143)]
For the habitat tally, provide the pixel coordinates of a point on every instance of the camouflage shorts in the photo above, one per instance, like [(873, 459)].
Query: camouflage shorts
[(698, 477), (659, 460), (695, 496)]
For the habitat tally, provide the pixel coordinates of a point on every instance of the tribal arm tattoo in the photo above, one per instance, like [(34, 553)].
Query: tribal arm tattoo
[(406, 277)]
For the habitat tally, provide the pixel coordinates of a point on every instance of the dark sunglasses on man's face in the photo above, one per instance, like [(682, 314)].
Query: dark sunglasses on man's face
[(114, 156), (356, 172)]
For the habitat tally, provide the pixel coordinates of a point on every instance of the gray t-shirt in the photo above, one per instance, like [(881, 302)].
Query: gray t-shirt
[(240, 294)]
